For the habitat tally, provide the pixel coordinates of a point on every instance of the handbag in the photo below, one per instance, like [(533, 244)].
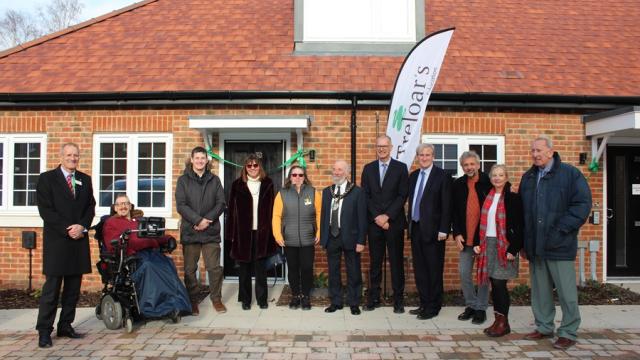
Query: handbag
[(276, 259)]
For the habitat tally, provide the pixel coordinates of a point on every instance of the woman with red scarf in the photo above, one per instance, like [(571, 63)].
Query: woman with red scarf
[(501, 224)]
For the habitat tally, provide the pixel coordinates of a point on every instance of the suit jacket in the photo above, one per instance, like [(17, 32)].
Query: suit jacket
[(353, 218), (435, 205), (62, 255), (389, 197)]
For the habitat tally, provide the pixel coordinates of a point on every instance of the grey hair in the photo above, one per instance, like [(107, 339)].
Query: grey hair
[(385, 137), (68, 144), (423, 146), (546, 139), (499, 166), (469, 154)]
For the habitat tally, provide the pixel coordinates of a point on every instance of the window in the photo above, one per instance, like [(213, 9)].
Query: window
[(136, 164), (367, 26), (448, 149), (22, 159)]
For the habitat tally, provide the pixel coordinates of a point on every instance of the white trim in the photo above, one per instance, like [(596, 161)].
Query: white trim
[(8, 141), (626, 121), (463, 142), (249, 123), (132, 140)]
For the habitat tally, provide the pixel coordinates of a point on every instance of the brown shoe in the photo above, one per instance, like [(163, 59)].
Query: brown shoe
[(502, 327), (495, 323), (563, 343), (219, 307), (194, 308), (536, 335)]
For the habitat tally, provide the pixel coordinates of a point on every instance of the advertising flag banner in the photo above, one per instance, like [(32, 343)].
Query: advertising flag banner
[(415, 81)]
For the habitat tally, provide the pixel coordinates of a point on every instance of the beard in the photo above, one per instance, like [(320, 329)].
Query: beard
[(338, 180)]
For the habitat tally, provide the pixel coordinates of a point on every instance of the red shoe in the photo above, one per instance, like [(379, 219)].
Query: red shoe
[(536, 335), (563, 343)]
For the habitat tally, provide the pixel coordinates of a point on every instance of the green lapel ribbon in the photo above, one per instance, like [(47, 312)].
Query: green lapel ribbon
[(594, 167), (217, 157)]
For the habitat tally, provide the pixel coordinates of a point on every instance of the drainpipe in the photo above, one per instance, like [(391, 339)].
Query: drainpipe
[(354, 104)]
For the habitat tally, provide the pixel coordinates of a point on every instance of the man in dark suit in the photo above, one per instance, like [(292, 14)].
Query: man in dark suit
[(430, 217), (66, 205), (343, 224), (386, 184)]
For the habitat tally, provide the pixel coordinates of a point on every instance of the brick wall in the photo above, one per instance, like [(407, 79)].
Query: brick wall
[(329, 134)]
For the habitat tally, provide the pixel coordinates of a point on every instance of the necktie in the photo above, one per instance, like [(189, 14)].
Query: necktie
[(335, 213), (383, 172), (70, 184), (415, 214)]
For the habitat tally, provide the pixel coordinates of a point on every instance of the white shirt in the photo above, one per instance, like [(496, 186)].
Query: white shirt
[(254, 189), (491, 216), (342, 188)]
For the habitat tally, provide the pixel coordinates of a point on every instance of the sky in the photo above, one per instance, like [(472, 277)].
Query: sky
[(91, 9)]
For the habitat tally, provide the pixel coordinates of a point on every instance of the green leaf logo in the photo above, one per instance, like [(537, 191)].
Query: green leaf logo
[(397, 118)]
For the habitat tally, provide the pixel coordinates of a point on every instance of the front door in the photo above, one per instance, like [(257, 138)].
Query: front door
[(623, 211), (272, 153)]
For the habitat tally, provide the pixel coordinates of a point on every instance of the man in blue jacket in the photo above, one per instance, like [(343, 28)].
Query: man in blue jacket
[(557, 202)]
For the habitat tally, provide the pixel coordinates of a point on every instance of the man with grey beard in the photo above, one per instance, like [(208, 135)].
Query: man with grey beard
[(343, 225)]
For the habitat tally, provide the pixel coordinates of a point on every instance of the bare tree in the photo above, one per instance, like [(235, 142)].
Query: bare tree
[(18, 27), (59, 14)]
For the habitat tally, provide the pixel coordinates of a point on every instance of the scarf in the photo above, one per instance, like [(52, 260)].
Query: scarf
[(501, 231)]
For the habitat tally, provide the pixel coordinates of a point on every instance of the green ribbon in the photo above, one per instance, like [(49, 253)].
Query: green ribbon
[(298, 156), (594, 167), (217, 157)]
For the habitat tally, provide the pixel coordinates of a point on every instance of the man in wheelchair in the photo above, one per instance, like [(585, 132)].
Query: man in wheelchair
[(140, 281)]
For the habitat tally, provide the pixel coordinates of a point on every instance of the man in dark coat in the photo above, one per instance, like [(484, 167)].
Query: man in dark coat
[(556, 203), (67, 207), (343, 225), (430, 217), (468, 194), (385, 183), (200, 202)]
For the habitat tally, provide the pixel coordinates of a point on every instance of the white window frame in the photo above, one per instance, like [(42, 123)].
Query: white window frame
[(132, 141), (8, 141), (463, 142)]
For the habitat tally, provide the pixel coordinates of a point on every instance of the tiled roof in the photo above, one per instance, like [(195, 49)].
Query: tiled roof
[(564, 47)]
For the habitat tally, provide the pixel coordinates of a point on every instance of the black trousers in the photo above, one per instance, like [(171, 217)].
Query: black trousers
[(500, 296), (393, 241), (244, 274), (300, 267), (428, 265), (49, 302), (335, 251)]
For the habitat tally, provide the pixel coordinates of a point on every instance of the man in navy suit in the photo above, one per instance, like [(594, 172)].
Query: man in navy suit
[(343, 225), (430, 223), (66, 205), (385, 183)]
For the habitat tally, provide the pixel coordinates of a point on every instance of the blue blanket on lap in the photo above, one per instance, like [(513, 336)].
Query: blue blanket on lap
[(159, 288)]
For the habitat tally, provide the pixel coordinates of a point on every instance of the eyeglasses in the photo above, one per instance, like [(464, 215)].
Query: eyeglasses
[(126, 203), (254, 166), (297, 175)]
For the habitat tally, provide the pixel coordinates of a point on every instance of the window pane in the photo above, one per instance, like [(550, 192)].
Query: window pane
[(106, 150), (106, 182), (106, 198), (438, 151), (34, 166), (450, 151), (144, 199), (144, 150), (19, 198), (158, 166), (490, 152), (144, 166), (34, 150), (121, 167), (477, 149), (486, 166), (31, 198), (20, 182), (20, 150), (450, 165), (32, 182), (106, 166), (120, 150), (20, 166), (158, 183), (159, 150), (158, 199)]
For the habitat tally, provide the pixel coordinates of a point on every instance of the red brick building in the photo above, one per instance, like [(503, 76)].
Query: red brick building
[(138, 88)]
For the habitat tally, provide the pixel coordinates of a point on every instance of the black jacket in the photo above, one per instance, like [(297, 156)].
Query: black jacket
[(515, 220), (460, 192), (198, 198), (435, 205), (389, 197)]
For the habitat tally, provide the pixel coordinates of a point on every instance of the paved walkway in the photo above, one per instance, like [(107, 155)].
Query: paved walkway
[(280, 333)]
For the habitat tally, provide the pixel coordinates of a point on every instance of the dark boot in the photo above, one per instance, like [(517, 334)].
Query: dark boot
[(295, 302), (492, 327), (502, 327)]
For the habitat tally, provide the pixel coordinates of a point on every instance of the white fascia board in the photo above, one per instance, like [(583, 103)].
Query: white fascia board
[(250, 123), (626, 121)]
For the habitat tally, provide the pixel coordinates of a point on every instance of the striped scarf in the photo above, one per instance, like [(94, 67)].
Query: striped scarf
[(501, 230)]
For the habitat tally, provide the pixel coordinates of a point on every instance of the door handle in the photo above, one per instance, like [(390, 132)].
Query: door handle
[(609, 213)]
